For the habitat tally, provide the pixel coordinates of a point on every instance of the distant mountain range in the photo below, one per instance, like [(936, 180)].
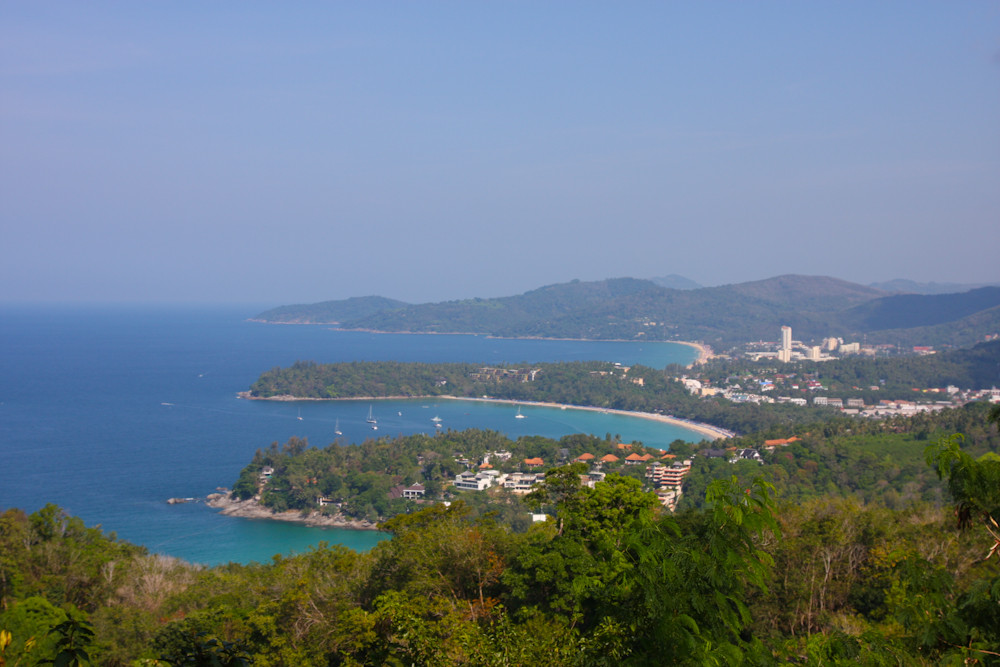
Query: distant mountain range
[(910, 287), (629, 309)]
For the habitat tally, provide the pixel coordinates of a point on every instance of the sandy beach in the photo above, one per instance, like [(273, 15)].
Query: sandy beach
[(710, 432)]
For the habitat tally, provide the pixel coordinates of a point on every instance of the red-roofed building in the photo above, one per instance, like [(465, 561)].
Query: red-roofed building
[(609, 458), (585, 457), (534, 462), (781, 442)]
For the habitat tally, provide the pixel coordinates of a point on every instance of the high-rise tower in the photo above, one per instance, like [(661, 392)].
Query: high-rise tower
[(786, 339)]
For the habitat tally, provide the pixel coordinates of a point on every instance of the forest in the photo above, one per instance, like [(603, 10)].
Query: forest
[(977, 367), (597, 384), (724, 316), (751, 574)]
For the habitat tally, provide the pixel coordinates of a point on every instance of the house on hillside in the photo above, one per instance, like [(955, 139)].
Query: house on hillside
[(414, 492), (470, 481)]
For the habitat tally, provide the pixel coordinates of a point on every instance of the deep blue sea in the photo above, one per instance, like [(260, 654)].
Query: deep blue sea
[(109, 411)]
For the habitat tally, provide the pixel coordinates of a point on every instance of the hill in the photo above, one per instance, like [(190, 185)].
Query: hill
[(629, 309), (902, 286), (329, 312), (674, 281)]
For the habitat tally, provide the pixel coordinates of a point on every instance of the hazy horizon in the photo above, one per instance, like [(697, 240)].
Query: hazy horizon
[(267, 154)]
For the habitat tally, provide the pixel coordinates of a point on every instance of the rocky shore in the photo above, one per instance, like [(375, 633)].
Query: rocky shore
[(251, 509)]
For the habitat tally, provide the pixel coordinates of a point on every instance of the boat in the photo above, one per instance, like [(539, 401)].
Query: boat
[(371, 419), (435, 418), (336, 428), (519, 415), (300, 414)]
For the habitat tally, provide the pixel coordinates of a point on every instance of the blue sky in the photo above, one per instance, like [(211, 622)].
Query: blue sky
[(274, 153)]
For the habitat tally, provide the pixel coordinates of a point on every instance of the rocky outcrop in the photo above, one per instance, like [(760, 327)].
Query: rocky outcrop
[(252, 509)]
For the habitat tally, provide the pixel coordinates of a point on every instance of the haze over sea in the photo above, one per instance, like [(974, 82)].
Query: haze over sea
[(109, 411)]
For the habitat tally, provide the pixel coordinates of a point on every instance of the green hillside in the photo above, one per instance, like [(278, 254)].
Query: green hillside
[(630, 309), (329, 312)]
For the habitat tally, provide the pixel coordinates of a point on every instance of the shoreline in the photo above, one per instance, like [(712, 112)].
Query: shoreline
[(251, 509), (704, 352), (711, 432)]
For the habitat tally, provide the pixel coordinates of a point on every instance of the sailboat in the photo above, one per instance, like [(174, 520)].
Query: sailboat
[(300, 414), (336, 428), (371, 420), (519, 415)]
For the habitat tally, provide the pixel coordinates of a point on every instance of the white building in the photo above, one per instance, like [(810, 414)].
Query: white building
[(470, 481)]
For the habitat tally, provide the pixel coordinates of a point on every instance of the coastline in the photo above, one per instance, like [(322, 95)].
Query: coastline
[(251, 509), (704, 352), (709, 431)]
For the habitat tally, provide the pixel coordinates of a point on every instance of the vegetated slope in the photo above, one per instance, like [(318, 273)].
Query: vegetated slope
[(900, 285), (675, 281), (811, 293), (968, 368), (906, 311), (629, 309), (329, 312), (532, 313), (960, 333)]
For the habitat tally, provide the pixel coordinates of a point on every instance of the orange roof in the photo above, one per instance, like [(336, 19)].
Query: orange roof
[(669, 456), (484, 465), (534, 462), (645, 457), (585, 457), (622, 445), (609, 458), (780, 441), (634, 457)]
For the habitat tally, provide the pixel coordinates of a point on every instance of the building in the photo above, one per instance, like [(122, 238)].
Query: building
[(470, 481), (786, 338), (521, 482), (414, 492)]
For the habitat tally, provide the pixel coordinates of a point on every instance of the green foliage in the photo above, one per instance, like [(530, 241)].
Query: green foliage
[(593, 384), (627, 309), (611, 580)]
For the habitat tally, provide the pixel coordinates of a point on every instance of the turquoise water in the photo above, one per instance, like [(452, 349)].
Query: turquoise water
[(109, 411)]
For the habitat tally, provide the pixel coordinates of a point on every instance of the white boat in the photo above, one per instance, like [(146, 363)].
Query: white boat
[(435, 418), (300, 414), (336, 428), (371, 419), (519, 415)]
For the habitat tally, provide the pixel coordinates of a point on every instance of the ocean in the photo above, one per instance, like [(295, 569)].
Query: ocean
[(108, 411)]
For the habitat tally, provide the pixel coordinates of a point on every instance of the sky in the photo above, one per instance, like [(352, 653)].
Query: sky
[(425, 151)]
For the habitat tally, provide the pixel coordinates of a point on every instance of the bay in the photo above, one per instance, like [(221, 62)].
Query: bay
[(108, 411)]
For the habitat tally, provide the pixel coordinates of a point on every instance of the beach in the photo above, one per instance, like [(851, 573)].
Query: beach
[(709, 431)]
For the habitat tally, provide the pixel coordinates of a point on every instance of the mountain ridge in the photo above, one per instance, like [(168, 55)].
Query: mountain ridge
[(632, 308)]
